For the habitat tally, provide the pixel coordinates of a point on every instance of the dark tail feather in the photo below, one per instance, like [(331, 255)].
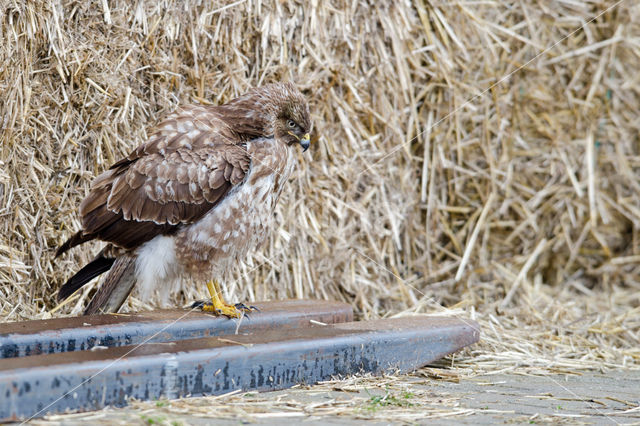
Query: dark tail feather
[(116, 287), (91, 270), (76, 239)]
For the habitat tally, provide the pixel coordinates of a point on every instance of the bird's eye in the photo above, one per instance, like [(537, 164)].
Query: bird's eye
[(291, 124)]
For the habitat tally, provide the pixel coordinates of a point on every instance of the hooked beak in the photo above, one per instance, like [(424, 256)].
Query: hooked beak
[(305, 142)]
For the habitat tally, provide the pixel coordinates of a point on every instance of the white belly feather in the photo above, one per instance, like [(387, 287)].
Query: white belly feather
[(156, 264)]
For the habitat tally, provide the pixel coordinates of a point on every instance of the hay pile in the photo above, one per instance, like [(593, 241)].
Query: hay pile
[(434, 183)]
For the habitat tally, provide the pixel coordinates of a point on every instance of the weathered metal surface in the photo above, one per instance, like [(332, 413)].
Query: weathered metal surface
[(81, 333), (266, 360)]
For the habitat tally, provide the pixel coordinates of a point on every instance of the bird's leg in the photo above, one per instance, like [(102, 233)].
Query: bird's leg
[(218, 306), (216, 288)]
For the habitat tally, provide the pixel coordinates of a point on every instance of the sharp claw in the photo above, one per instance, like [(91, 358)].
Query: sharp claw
[(243, 307), (198, 304)]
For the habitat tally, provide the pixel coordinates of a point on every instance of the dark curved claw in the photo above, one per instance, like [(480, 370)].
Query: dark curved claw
[(245, 308), (199, 304)]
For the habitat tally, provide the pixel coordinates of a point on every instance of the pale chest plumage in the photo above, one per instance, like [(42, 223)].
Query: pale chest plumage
[(240, 222)]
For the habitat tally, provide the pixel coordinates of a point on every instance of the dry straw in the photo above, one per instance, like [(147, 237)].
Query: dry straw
[(520, 209)]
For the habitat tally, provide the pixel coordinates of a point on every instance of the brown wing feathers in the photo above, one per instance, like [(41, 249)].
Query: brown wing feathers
[(159, 187), (153, 195)]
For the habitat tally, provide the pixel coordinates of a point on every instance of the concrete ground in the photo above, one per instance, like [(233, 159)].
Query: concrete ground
[(585, 398)]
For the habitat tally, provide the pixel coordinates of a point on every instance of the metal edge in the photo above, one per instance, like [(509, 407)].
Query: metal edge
[(222, 365), (82, 333)]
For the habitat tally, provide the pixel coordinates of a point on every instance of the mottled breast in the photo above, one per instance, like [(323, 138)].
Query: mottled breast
[(241, 220)]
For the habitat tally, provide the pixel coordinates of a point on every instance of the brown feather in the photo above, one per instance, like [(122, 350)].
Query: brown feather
[(115, 288), (151, 195), (91, 270), (77, 239)]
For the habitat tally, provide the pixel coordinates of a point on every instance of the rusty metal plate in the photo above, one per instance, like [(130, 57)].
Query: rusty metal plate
[(26, 338), (266, 360)]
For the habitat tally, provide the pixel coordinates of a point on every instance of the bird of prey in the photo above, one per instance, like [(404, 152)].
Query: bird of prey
[(193, 199)]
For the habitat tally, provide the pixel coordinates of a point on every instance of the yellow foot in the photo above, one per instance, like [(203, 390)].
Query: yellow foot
[(218, 306), (231, 311)]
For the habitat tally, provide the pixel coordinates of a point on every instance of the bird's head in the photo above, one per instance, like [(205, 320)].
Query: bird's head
[(275, 110), (291, 120), (293, 124)]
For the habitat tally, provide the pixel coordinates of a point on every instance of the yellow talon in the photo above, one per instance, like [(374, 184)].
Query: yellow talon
[(218, 306)]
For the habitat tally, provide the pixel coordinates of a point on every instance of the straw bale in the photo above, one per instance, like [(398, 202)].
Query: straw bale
[(475, 158)]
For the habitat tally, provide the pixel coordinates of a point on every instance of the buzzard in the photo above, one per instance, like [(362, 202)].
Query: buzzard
[(193, 199)]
